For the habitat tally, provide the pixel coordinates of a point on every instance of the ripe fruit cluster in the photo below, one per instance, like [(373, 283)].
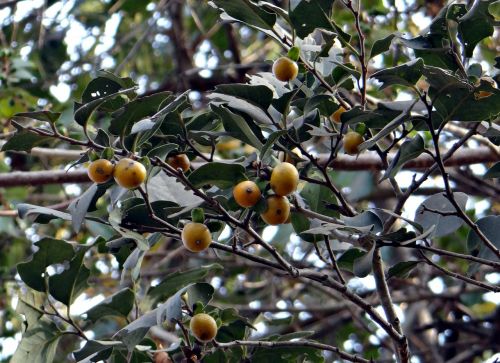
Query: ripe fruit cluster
[(128, 173), (284, 181)]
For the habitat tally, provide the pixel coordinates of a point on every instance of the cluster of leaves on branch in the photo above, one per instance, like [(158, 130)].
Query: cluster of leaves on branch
[(167, 178)]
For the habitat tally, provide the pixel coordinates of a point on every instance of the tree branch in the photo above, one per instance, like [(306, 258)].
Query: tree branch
[(274, 344)]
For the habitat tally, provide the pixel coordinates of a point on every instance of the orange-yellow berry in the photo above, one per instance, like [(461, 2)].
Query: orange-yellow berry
[(284, 179), (196, 237), (335, 117), (246, 194), (129, 173), (285, 69), (180, 161), (100, 171), (203, 327), (278, 210), (351, 142)]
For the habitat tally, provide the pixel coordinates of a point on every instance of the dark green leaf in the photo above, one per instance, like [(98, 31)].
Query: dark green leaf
[(409, 150), (309, 15), (25, 141), (402, 269), (318, 197), (382, 45), (50, 252), (118, 304), (219, 174), (237, 126), (346, 260), (365, 219), (489, 226), (46, 116), (405, 74), (41, 214), (70, 283), (476, 25), (362, 266), (247, 12), (124, 118)]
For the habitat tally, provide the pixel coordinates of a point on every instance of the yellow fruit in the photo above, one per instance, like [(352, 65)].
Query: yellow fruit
[(129, 173), (285, 69), (246, 194), (203, 327), (180, 161), (100, 171), (283, 156), (228, 145), (284, 179), (351, 142), (335, 117), (278, 210), (196, 237)]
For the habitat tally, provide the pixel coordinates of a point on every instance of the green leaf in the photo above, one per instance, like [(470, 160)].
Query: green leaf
[(80, 206), (172, 282), (362, 266), (396, 122), (41, 214), (489, 226), (198, 215), (493, 172), (325, 104), (455, 99), (124, 118), (70, 283), (309, 15), (50, 251), (300, 224), (402, 269), (162, 151), (346, 260), (233, 331), (266, 150), (445, 224), (258, 95), (83, 111), (237, 126), (96, 349), (294, 53), (318, 197), (382, 45), (405, 74), (409, 150), (365, 219), (251, 100), (219, 174), (38, 343), (476, 25), (46, 116), (118, 304), (25, 141), (247, 12)]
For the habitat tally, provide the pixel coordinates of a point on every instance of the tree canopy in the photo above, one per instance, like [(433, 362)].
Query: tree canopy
[(249, 181)]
